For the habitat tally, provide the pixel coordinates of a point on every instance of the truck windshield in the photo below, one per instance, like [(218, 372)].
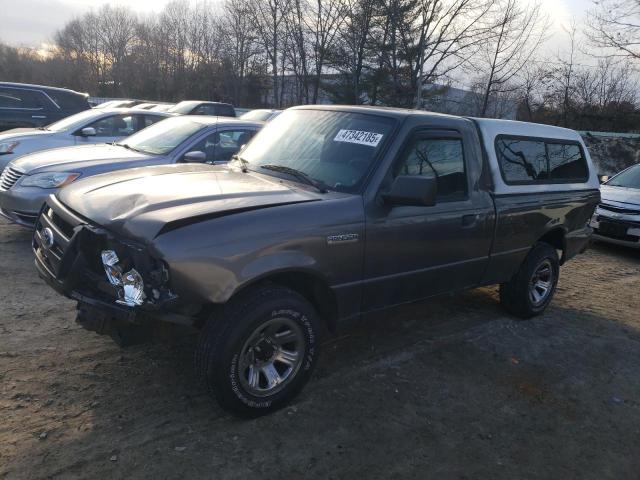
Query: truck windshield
[(335, 148), (162, 137), (629, 178)]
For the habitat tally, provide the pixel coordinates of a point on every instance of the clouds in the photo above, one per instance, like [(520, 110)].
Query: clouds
[(31, 22)]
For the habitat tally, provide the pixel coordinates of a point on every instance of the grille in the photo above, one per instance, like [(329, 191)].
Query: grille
[(62, 231), (626, 211), (9, 177)]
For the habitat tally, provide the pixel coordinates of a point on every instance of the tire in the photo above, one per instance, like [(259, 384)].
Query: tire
[(249, 335), (518, 296)]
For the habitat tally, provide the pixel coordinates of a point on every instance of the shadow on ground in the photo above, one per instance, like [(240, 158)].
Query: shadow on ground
[(448, 388)]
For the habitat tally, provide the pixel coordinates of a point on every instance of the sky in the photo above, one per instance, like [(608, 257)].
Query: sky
[(34, 22)]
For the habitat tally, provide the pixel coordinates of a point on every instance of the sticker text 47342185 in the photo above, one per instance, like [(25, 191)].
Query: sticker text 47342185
[(370, 139)]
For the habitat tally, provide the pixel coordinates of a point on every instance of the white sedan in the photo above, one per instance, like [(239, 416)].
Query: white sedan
[(89, 126)]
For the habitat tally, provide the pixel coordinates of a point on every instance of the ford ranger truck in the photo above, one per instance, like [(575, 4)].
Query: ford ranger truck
[(329, 214)]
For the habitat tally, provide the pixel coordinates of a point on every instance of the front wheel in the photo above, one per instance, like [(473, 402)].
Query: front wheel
[(259, 351), (530, 291)]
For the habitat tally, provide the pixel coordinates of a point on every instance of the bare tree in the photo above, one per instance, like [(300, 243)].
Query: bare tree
[(615, 26), (267, 18), (239, 42), (533, 79), (518, 33), (325, 21)]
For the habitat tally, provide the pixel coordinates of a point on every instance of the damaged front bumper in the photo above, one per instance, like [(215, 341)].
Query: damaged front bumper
[(69, 256)]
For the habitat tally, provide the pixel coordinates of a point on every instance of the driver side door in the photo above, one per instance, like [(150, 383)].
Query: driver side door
[(414, 252)]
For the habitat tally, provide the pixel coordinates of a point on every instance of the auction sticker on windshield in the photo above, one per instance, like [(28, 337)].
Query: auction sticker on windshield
[(370, 139)]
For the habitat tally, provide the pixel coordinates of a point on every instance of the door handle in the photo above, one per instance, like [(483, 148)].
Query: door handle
[(38, 116), (470, 220)]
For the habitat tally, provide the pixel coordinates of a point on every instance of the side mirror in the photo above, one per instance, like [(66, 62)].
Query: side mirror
[(412, 190), (195, 157), (88, 132), (604, 178)]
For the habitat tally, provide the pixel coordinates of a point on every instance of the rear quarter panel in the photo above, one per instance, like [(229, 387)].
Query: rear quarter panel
[(522, 219)]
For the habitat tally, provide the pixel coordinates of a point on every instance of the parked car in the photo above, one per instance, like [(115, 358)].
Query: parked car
[(162, 107), (196, 107), (327, 215), (154, 105), (27, 181), (118, 104), (617, 218), (91, 126), (24, 105), (261, 115)]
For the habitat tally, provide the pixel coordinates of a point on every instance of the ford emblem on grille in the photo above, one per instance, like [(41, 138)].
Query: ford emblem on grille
[(47, 238)]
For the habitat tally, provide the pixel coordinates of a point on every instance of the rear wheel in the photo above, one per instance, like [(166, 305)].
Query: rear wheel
[(259, 351), (530, 291)]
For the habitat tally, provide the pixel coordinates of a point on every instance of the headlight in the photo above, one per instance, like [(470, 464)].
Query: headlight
[(8, 147), (130, 284), (49, 180)]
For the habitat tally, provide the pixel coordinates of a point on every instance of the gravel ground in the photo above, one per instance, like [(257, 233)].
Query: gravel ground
[(449, 388)]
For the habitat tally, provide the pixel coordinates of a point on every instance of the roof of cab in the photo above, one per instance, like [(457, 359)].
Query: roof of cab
[(393, 112), (488, 126)]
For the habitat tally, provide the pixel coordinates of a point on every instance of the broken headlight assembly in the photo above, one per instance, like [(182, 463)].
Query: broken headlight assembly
[(129, 284)]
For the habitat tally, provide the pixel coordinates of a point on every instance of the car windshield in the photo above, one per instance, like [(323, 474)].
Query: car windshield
[(162, 137), (75, 121), (630, 178), (335, 148), (257, 115), (183, 107)]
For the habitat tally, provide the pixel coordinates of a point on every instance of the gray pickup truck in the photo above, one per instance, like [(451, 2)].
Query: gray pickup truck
[(328, 214)]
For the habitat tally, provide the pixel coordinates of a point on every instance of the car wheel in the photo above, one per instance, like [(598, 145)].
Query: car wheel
[(257, 353), (530, 291)]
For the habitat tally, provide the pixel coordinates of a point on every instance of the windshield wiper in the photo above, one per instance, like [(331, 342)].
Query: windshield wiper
[(243, 163), (129, 147), (321, 186)]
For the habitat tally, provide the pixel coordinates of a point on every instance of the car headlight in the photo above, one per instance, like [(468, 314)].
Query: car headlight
[(8, 147), (49, 180), (130, 285)]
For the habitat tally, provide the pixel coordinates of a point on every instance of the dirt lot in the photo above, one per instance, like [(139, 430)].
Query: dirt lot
[(450, 388)]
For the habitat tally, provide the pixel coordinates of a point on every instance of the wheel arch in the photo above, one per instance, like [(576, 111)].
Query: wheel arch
[(308, 283), (557, 238)]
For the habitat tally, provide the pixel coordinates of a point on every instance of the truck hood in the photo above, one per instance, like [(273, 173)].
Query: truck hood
[(142, 203), (620, 195), (75, 158)]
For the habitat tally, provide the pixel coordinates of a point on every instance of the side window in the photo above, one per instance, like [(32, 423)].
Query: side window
[(150, 120), (566, 162), (439, 158), (68, 101), (18, 98), (522, 161), (221, 146), (230, 143), (225, 111), (114, 126), (205, 109)]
